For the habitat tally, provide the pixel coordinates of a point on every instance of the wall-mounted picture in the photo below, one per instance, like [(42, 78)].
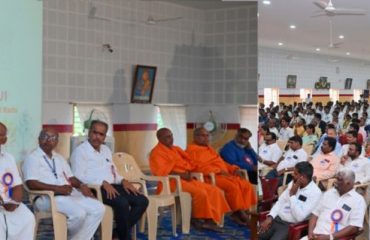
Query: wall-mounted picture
[(142, 87), (368, 84), (322, 83), (348, 83), (291, 81)]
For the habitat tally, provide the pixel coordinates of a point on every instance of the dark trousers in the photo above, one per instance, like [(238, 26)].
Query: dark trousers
[(277, 231), (127, 209), (274, 174)]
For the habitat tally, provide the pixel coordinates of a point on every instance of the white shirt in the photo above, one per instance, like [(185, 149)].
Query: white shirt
[(298, 207), (291, 158), (274, 130), (93, 167), (328, 118), (285, 133), (361, 167), (38, 166), (351, 204), (308, 118), (270, 152), (345, 148), (8, 167)]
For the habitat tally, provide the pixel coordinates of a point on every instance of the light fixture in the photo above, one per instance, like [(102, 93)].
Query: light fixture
[(318, 49), (348, 53), (340, 36), (292, 27), (280, 43), (266, 2)]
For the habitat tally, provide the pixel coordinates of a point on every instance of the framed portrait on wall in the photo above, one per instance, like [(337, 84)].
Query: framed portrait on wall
[(143, 84), (348, 83), (291, 81), (368, 84)]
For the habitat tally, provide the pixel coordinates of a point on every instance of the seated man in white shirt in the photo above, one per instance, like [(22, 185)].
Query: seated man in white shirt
[(294, 205), (45, 169), (269, 154), (294, 155), (357, 163), (92, 163), (16, 220), (340, 212), (351, 137), (285, 131)]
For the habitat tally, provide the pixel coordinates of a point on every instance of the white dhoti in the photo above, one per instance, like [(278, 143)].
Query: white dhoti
[(19, 224), (83, 214)]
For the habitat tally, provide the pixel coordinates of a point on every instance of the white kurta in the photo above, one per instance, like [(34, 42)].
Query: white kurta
[(84, 214), (19, 224)]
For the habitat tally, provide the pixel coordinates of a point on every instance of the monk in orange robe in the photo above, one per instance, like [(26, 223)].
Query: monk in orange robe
[(208, 202), (239, 193)]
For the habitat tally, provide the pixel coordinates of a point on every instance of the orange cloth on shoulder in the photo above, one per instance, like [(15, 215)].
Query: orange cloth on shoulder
[(208, 201), (239, 193)]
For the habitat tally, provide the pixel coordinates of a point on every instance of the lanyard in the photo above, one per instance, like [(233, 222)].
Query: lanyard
[(6, 227), (52, 168)]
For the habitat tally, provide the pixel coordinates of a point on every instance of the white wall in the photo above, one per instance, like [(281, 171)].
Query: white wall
[(274, 66), (206, 57)]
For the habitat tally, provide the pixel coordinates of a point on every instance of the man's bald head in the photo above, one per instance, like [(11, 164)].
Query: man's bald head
[(164, 136), (3, 133), (201, 136)]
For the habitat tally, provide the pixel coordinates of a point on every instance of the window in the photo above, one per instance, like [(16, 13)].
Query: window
[(271, 95), (173, 118), (83, 112), (333, 94), (249, 119), (305, 93), (357, 94)]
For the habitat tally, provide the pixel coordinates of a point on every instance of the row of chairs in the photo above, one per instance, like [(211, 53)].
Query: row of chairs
[(179, 202)]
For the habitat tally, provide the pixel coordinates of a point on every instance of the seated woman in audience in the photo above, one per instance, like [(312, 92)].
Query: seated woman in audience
[(310, 137)]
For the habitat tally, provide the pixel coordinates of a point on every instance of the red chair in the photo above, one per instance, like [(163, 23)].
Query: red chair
[(269, 193)]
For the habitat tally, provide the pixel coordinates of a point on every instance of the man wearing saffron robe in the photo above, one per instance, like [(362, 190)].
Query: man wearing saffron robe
[(239, 193), (208, 202)]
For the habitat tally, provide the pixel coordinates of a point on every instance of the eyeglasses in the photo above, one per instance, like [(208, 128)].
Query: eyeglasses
[(52, 138)]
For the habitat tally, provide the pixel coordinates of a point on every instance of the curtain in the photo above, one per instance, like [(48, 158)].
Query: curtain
[(174, 118), (249, 120)]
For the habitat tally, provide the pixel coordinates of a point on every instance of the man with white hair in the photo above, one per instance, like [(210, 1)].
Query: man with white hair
[(340, 211)]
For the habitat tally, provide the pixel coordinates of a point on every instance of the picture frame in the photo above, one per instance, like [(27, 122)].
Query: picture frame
[(143, 84), (291, 81), (368, 84), (348, 83)]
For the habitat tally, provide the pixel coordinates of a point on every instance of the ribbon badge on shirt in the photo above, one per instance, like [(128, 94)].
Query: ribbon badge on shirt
[(8, 181), (336, 217), (248, 160)]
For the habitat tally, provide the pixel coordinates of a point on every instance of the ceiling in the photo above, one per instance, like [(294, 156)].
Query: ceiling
[(311, 33)]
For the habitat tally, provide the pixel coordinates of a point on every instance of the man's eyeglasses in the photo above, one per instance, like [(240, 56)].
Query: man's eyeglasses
[(52, 138)]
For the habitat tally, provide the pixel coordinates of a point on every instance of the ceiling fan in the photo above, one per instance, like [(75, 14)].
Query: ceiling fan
[(330, 10), (152, 21)]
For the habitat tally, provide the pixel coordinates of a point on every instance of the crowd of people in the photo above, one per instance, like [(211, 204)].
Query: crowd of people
[(316, 145), (91, 163)]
